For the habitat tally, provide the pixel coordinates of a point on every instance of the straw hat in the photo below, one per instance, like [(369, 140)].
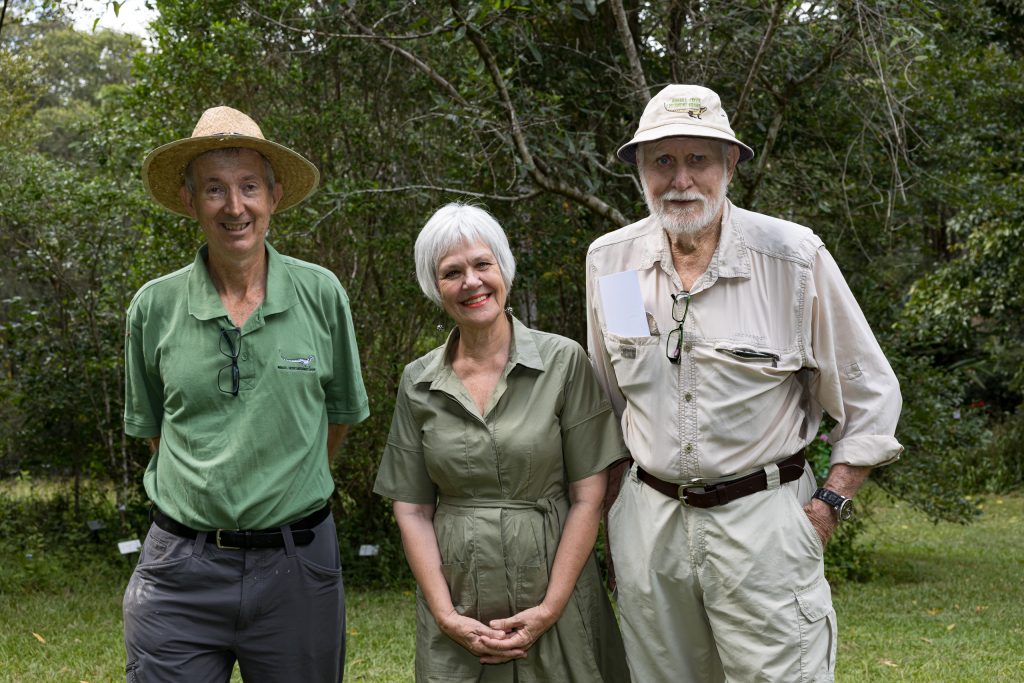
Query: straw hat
[(688, 111), (163, 171)]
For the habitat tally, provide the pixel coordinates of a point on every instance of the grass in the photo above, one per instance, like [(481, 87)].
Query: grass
[(68, 628), (381, 636), (948, 606)]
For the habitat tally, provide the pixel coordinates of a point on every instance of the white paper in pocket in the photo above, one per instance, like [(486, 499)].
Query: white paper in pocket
[(623, 305)]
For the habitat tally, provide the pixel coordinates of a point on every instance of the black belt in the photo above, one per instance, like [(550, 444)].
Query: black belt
[(710, 495), (238, 539)]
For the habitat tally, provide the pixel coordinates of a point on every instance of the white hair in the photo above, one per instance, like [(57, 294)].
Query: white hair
[(452, 226)]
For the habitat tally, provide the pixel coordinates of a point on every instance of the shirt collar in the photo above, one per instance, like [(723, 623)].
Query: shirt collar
[(523, 352), (204, 302), (524, 347), (731, 257)]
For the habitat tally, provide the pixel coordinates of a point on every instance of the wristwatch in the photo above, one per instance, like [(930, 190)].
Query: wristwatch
[(842, 505)]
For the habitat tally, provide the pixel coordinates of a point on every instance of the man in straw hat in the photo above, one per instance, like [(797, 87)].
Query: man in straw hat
[(242, 371), (720, 336)]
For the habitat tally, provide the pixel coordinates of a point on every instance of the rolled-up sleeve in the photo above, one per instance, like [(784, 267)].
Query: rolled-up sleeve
[(854, 382)]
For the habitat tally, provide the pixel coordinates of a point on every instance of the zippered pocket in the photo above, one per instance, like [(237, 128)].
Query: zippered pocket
[(750, 355)]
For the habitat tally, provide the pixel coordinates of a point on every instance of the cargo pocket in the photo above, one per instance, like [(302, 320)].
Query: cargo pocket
[(818, 633)]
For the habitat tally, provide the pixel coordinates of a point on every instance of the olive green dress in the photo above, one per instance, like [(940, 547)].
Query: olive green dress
[(500, 483)]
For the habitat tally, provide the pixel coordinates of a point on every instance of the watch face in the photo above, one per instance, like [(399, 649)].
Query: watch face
[(845, 510)]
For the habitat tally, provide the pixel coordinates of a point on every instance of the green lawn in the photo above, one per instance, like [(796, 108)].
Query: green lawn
[(948, 606), (949, 603)]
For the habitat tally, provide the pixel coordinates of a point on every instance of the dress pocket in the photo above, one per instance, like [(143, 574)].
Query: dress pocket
[(531, 585), (528, 557), (461, 586)]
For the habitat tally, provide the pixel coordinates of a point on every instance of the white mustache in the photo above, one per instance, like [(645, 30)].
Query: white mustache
[(677, 196)]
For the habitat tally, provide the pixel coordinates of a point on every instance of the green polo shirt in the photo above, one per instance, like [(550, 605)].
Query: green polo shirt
[(259, 459)]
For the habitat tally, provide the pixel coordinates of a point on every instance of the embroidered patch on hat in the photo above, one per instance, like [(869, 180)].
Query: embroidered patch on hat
[(690, 105)]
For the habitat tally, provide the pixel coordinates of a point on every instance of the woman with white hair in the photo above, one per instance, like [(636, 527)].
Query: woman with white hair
[(496, 462)]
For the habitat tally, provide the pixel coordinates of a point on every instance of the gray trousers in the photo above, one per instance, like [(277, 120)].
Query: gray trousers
[(191, 610)]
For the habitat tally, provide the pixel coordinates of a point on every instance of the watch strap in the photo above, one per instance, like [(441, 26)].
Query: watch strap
[(842, 505)]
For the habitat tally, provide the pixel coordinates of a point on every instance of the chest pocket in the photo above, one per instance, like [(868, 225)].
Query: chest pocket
[(746, 354), (637, 361), (745, 362)]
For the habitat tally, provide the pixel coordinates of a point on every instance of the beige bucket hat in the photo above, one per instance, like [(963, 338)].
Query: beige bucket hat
[(163, 171), (688, 111)]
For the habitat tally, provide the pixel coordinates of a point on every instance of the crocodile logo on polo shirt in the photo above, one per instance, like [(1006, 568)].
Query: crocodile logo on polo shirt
[(297, 361)]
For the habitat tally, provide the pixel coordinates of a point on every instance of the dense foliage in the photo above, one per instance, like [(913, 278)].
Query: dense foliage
[(891, 128)]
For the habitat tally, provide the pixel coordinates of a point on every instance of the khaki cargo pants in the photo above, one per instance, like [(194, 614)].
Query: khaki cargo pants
[(731, 593)]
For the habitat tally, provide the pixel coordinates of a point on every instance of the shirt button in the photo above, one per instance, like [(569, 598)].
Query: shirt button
[(687, 348), (687, 397), (689, 448), (245, 356)]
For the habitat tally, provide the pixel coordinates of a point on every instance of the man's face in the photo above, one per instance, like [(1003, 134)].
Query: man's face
[(685, 182), (232, 202)]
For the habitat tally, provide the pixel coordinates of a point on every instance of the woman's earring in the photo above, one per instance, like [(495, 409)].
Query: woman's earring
[(508, 309), (440, 327)]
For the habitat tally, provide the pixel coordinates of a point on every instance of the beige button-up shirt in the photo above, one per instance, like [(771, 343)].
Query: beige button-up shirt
[(771, 339)]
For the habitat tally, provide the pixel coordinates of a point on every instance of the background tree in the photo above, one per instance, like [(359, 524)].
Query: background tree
[(64, 230), (888, 127)]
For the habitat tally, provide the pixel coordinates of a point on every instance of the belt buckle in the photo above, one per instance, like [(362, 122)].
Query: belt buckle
[(694, 483), (225, 547)]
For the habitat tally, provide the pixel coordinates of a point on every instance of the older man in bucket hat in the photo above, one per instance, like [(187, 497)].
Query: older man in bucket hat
[(242, 371), (720, 336)]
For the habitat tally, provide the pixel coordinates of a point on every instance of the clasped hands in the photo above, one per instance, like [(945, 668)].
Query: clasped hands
[(504, 639)]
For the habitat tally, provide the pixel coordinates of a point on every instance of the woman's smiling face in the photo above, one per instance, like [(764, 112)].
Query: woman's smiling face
[(472, 289)]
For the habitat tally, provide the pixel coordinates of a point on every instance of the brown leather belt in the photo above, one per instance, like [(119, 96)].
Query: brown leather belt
[(710, 495)]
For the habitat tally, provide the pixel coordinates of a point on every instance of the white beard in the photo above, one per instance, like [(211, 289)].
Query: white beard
[(677, 223)]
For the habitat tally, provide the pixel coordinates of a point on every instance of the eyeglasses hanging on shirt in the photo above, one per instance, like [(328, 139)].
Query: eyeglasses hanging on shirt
[(674, 344), (232, 339)]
